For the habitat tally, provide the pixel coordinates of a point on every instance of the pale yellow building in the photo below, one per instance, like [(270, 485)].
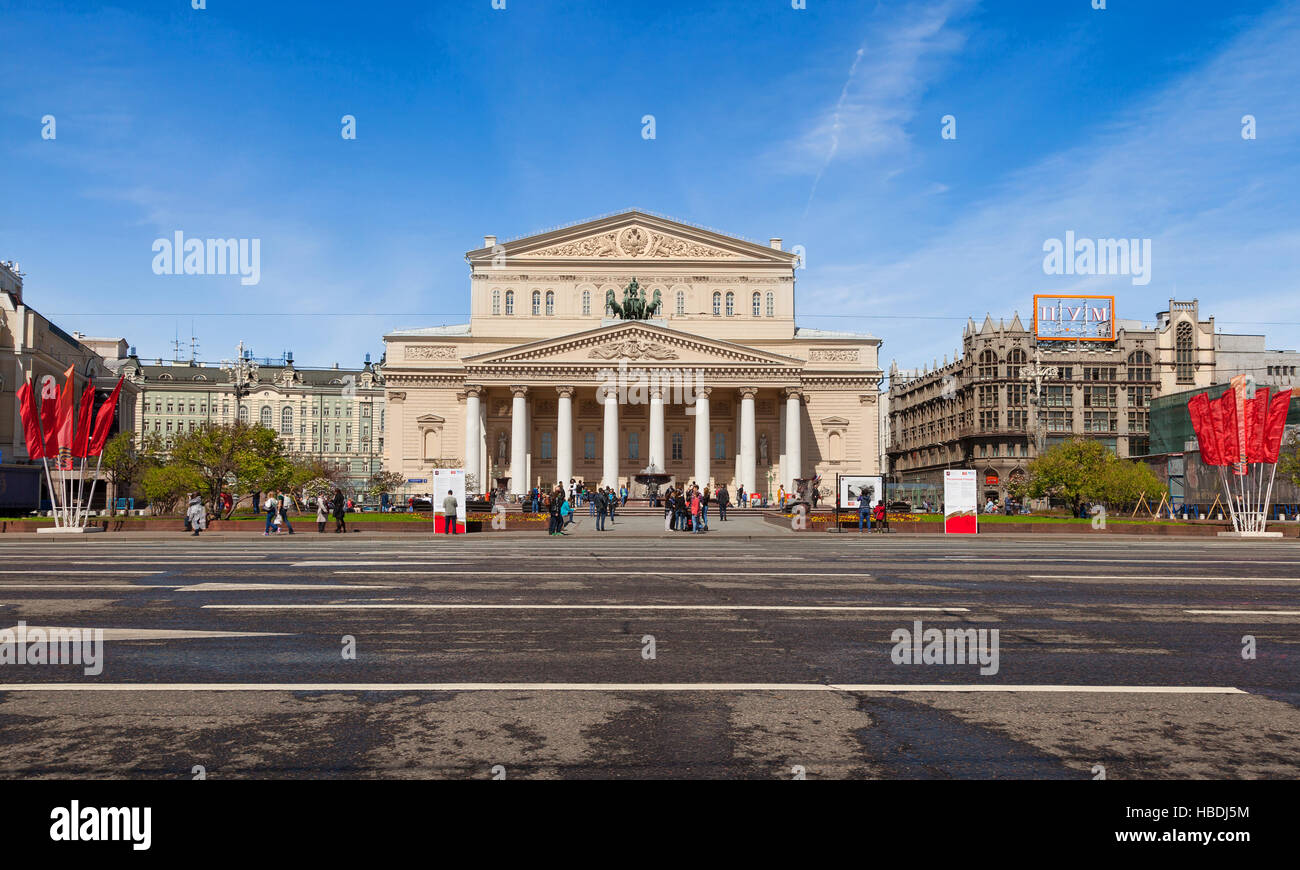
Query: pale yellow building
[(718, 385)]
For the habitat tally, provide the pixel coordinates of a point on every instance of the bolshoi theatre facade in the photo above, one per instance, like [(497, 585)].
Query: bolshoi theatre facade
[(596, 350)]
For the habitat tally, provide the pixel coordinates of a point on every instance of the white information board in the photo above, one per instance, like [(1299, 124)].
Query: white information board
[(448, 479), (960, 502), (854, 486)]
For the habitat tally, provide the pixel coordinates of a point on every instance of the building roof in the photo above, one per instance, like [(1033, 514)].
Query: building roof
[(806, 332), (453, 329)]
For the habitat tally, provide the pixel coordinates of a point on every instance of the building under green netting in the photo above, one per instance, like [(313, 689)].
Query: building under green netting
[(1176, 459)]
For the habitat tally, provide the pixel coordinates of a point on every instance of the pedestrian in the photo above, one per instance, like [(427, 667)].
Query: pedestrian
[(271, 507), (622, 491), (566, 512), (668, 510), (612, 503), (592, 499), (696, 526), (553, 511), (537, 499), (322, 513), (197, 514), (741, 498), (340, 512), (705, 497), (601, 506), (282, 509), (449, 513), (724, 501), (881, 516), (780, 496), (864, 512)]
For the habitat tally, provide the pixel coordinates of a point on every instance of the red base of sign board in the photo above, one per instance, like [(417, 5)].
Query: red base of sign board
[(960, 525), (440, 524)]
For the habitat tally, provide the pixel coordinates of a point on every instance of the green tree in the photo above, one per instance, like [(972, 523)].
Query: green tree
[(166, 486), (1125, 482), (1288, 461), (124, 464), (384, 482), (239, 457), (1083, 470)]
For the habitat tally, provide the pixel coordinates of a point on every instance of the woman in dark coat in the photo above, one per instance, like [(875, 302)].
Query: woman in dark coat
[(340, 511)]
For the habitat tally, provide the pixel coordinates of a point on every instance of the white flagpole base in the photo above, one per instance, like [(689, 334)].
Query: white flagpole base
[(78, 530), (1221, 534)]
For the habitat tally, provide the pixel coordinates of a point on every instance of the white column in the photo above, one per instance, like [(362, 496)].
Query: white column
[(702, 435), (473, 439), (736, 473), (793, 437), (564, 436), (609, 477), (519, 441), (748, 440), (657, 427)]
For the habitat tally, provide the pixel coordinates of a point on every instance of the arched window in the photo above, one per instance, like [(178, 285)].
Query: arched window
[(757, 305), (988, 364), (1016, 360), (266, 416), (731, 304), (771, 304), (586, 302), (717, 303), (243, 414), (1183, 354), (550, 302), (537, 302), (1139, 366), (681, 303), (286, 421), (496, 301), (510, 302)]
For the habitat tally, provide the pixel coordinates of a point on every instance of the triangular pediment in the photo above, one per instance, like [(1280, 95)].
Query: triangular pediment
[(641, 342), (429, 418), (633, 236)]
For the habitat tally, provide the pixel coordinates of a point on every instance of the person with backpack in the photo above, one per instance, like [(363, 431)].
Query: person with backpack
[(271, 507), (282, 510)]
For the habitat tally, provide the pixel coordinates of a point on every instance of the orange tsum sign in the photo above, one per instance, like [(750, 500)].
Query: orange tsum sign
[(1059, 317)]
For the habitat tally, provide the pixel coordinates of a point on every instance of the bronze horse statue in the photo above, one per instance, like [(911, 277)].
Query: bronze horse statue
[(635, 305)]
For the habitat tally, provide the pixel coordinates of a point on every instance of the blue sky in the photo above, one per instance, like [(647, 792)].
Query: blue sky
[(820, 125)]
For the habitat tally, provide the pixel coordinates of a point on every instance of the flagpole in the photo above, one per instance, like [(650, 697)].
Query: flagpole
[(45, 462), (94, 480)]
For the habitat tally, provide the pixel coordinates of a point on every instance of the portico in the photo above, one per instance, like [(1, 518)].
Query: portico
[(715, 386)]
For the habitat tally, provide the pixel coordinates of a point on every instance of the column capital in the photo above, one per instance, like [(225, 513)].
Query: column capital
[(518, 391), (473, 390), (748, 392), (566, 392), (793, 392), (703, 392), (656, 392), (604, 393)]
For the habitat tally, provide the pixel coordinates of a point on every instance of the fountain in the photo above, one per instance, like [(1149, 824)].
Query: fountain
[(652, 478)]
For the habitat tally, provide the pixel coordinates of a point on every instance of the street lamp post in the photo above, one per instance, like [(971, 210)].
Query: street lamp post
[(240, 370)]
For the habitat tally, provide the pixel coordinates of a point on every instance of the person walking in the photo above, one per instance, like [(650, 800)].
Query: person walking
[(741, 498), (622, 491), (704, 508), (566, 513), (282, 508), (196, 514), (340, 512), (724, 501), (271, 507), (322, 513), (602, 508), (449, 513), (696, 526), (780, 496), (612, 503)]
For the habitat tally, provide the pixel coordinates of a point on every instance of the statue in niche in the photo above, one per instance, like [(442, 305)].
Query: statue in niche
[(501, 448), (762, 449)]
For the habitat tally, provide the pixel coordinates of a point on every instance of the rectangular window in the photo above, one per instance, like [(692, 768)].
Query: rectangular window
[(546, 446), (1018, 419), (988, 397), (1139, 397), (1060, 421), (634, 445), (1139, 421), (1099, 397), (589, 445), (719, 445), (677, 446), (1058, 397), (988, 421), (1017, 395), (1099, 421)]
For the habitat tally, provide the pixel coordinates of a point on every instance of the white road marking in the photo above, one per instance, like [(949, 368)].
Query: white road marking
[(1244, 612), (612, 687), (1150, 577), (271, 587), (48, 571), (78, 586), (598, 570), (149, 633), (621, 607), (1115, 560)]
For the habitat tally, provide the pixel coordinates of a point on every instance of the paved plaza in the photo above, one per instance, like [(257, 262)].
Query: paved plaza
[(749, 653)]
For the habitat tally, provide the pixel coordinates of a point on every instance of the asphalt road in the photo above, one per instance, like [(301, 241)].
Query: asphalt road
[(624, 655)]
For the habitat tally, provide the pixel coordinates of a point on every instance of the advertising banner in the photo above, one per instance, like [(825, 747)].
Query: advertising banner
[(448, 479), (960, 502), (1064, 317), (856, 486)]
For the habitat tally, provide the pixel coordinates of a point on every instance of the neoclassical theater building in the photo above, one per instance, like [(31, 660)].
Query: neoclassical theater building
[(548, 382)]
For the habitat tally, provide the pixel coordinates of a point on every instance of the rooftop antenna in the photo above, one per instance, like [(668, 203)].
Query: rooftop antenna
[(194, 344), (176, 345)]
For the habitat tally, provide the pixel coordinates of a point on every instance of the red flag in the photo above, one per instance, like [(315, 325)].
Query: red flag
[(82, 437), (1224, 413), (1275, 423), (1207, 436), (50, 416), (65, 422), (1256, 411), (103, 422), (31, 425)]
